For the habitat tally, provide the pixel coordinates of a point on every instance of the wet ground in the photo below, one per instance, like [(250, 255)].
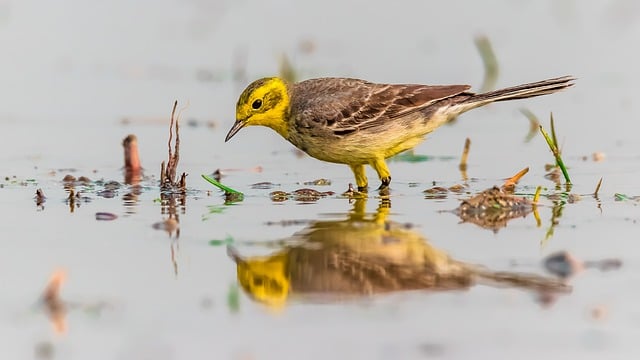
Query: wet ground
[(102, 274)]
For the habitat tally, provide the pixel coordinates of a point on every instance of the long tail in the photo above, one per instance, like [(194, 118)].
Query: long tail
[(517, 92)]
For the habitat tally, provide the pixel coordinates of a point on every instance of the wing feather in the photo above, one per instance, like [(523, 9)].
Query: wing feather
[(347, 105)]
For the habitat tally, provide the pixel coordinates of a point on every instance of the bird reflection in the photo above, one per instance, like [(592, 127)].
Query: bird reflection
[(364, 255)]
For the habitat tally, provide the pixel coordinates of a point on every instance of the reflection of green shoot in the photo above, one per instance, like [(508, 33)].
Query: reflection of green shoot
[(213, 209), (411, 157), (226, 241), (553, 145), (224, 188), (233, 298), (556, 213), (623, 197), (534, 206)]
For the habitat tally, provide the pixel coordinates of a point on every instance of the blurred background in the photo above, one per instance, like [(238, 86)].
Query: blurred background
[(89, 63)]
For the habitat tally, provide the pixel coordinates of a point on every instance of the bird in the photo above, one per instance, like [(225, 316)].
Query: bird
[(357, 122)]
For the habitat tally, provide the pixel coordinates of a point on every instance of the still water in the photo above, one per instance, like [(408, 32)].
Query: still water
[(397, 277)]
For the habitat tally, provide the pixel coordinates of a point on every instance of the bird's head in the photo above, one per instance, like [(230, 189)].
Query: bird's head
[(264, 102)]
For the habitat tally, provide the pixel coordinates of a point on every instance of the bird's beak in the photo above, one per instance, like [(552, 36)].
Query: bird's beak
[(239, 124)]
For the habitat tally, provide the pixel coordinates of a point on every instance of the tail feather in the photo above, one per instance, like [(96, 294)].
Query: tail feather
[(523, 91)]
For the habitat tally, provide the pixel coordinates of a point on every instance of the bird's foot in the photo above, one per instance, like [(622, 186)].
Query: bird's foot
[(385, 183)]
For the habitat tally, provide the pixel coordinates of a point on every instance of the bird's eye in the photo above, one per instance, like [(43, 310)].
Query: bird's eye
[(257, 104)]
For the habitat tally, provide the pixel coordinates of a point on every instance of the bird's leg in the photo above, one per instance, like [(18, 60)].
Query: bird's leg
[(361, 177), (383, 173)]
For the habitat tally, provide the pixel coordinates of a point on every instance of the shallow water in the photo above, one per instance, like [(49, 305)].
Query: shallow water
[(77, 82)]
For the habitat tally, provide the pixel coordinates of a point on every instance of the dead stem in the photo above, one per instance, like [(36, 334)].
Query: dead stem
[(132, 165), (510, 183), (169, 169), (131, 155), (595, 193), (173, 158)]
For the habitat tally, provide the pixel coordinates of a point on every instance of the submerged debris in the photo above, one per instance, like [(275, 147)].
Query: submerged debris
[(318, 182), (279, 196), (169, 225), (40, 198), (52, 302), (457, 188), (302, 195), (70, 180), (565, 265), (57, 308), (310, 194), (440, 192), (263, 185), (493, 208), (436, 192), (217, 175), (105, 216)]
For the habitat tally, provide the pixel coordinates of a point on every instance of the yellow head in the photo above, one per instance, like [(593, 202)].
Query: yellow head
[(264, 278), (264, 102)]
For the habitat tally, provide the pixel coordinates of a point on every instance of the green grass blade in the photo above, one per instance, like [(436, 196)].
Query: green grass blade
[(556, 154), (215, 183)]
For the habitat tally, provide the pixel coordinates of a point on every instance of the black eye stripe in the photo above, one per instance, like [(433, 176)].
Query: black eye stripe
[(257, 104)]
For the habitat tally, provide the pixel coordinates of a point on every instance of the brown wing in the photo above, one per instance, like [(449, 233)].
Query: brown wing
[(348, 105)]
